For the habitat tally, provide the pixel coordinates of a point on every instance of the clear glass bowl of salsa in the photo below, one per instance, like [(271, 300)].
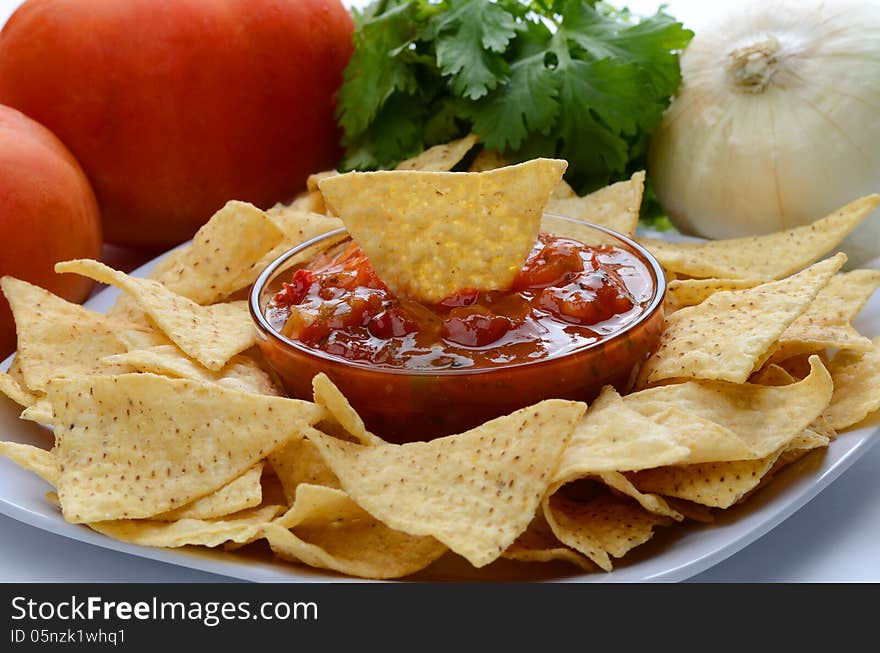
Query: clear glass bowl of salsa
[(585, 311)]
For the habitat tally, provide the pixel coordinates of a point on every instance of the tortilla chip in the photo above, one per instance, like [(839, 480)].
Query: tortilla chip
[(239, 494), (136, 445), (615, 207), (805, 443), (765, 418), (773, 256), (298, 227), (57, 338), (314, 179), (692, 511), (210, 334), (690, 292), (330, 397), (41, 412), (826, 324), (539, 544), (12, 389), (563, 191), (608, 525), (241, 528), (300, 462), (429, 234), (856, 387), (39, 461), (222, 252), (614, 437), (718, 485), (126, 309), (730, 334), (651, 502), (487, 159), (240, 373), (440, 158), (476, 492), (774, 375), (326, 529)]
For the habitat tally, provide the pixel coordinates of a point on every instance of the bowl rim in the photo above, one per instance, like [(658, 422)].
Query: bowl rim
[(263, 325)]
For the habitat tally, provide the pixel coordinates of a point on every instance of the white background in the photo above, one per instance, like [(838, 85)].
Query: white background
[(835, 538)]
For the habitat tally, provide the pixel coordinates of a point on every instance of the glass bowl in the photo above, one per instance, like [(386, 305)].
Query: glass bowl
[(402, 405)]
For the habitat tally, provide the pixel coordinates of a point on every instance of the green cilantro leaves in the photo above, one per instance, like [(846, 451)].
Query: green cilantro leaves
[(560, 78)]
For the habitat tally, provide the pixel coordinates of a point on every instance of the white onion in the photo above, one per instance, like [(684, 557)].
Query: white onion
[(777, 122)]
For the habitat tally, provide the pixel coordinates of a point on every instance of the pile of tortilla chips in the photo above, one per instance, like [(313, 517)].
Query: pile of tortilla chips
[(171, 431)]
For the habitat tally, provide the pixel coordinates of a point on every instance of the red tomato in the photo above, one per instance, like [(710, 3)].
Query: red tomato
[(48, 213), (174, 107), (391, 323), (590, 298), (549, 264), (475, 329)]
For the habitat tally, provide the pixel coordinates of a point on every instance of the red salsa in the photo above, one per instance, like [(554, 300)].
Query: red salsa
[(566, 296)]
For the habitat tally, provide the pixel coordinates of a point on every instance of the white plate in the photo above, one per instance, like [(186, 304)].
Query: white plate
[(675, 554)]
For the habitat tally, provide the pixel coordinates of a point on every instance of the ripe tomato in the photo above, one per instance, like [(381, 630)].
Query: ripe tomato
[(48, 213), (174, 107)]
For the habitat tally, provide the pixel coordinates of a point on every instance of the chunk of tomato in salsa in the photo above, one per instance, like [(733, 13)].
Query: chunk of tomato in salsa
[(571, 283)]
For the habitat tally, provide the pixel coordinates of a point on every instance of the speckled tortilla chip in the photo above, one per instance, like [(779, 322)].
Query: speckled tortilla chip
[(326, 529), (730, 335), (563, 191), (539, 544), (440, 158), (429, 234), (805, 443), (39, 461), (300, 226), (603, 527), (239, 494), (41, 412), (125, 308), (239, 373), (774, 375), (476, 492), (692, 511), (210, 334), (718, 485), (651, 502), (222, 252), (615, 207), (722, 484), (136, 445), (12, 389), (297, 226), (826, 324), (300, 461), (772, 256), (241, 528), (488, 159), (614, 437), (329, 396), (856, 387), (57, 338), (315, 178), (765, 418), (15, 372), (690, 292)]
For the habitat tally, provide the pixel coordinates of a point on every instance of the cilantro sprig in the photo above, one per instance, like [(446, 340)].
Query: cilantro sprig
[(572, 79)]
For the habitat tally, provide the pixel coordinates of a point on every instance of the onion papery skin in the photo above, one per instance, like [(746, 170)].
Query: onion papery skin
[(777, 122)]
